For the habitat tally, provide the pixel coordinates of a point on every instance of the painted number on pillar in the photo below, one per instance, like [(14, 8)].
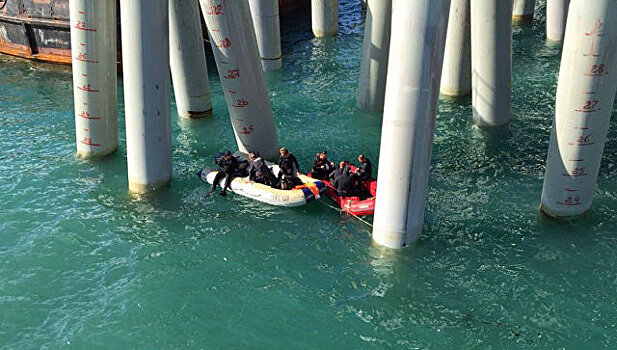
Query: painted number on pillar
[(576, 172), (216, 10), (224, 43), (584, 140), (597, 70), (81, 24), (571, 201), (232, 74), (247, 130), (589, 106), (83, 57), (87, 88), (241, 103)]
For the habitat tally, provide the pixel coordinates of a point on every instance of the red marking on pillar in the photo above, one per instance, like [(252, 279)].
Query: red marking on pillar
[(224, 43), (215, 10), (598, 31), (576, 172), (589, 106), (86, 115), (241, 103), (88, 141), (584, 140), (87, 88), (83, 57), (247, 131), (82, 26), (232, 74)]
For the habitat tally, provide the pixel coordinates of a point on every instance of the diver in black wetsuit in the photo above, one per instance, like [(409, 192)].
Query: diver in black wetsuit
[(289, 170), (227, 167), (365, 171), (321, 166), (259, 171), (342, 180), (341, 168)]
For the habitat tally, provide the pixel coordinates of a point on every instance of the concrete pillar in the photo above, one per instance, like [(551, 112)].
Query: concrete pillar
[(94, 52), (456, 76), (145, 62), (585, 97), (189, 70), (414, 73), (324, 16), (268, 32), (233, 42), (374, 66), (491, 60), (523, 10), (556, 18)]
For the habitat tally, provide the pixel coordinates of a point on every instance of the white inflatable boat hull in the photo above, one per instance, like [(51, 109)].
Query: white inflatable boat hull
[(273, 196)]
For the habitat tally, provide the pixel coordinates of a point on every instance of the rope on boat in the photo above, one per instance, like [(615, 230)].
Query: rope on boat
[(3, 4)]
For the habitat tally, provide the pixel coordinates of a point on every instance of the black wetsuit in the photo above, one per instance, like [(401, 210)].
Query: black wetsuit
[(321, 168), (343, 182), (287, 165), (336, 173), (227, 168), (365, 172), (289, 169), (259, 172)]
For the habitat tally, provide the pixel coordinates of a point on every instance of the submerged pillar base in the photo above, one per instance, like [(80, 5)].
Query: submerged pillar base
[(389, 238), (196, 115), (547, 212), (138, 188), (522, 18), (90, 155), (454, 92)]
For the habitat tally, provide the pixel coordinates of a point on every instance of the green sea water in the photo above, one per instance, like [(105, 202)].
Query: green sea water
[(84, 265)]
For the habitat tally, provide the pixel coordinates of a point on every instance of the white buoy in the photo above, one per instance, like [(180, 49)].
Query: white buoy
[(189, 70), (233, 42), (585, 97), (145, 62), (268, 32), (324, 17), (523, 10), (375, 49), (491, 60), (556, 18), (94, 58), (414, 73), (456, 75)]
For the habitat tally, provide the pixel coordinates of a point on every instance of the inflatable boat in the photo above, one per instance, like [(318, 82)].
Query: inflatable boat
[(311, 190), (356, 205), (361, 204)]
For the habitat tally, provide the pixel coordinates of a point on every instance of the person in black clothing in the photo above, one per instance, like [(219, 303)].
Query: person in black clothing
[(343, 182), (365, 172), (227, 167), (289, 170), (259, 171), (341, 168), (321, 166)]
